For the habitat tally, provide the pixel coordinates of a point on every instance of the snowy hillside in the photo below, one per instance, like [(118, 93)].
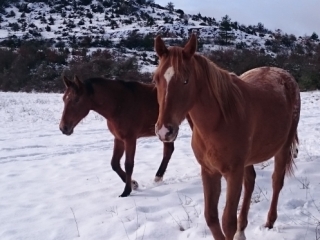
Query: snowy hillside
[(58, 187), (70, 21)]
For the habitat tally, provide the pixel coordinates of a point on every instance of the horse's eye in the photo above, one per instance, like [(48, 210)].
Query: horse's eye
[(186, 81)]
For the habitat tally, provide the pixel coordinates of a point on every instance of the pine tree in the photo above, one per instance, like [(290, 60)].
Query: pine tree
[(260, 27), (150, 21), (314, 36), (51, 20), (170, 7), (225, 28)]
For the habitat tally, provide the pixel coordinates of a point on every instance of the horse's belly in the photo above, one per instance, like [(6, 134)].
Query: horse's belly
[(147, 133), (263, 149)]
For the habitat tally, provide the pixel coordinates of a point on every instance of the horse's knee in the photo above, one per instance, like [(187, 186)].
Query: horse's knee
[(115, 166), (211, 219)]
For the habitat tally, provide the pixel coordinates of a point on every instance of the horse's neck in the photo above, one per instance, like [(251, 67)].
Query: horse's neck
[(206, 113), (104, 103)]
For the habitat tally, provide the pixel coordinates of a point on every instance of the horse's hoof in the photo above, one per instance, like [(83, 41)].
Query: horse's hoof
[(158, 179), (125, 193), (134, 184), (239, 236), (268, 225)]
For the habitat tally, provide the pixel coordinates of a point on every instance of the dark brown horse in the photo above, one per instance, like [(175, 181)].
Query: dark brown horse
[(131, 110), (237, 122)]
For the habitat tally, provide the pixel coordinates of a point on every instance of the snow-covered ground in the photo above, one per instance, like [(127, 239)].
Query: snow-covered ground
[(58, 187)]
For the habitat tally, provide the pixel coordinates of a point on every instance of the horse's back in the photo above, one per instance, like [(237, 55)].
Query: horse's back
[(272, 84)]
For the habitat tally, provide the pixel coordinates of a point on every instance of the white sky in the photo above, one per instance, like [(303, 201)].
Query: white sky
[(299, 17)]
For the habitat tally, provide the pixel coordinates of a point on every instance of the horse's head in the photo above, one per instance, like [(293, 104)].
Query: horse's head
[(176, 86), (76, 105)]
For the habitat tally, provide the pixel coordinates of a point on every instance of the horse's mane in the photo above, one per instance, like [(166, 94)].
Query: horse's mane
[(219, 81), (100, 81), (221, 85), (88, 83)]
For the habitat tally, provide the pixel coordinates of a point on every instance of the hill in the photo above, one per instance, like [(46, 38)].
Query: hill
[(126, 28)]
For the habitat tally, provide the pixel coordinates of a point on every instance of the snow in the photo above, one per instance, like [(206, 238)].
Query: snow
[(46, 177)]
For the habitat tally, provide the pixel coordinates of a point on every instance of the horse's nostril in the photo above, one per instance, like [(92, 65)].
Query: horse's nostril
[(170, 129), (64, 129)]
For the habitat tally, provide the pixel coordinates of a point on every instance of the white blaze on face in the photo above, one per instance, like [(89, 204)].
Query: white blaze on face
[(168, 76), (162, 132)]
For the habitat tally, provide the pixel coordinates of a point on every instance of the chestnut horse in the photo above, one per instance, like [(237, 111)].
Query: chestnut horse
[(237, 122), (131, 110)]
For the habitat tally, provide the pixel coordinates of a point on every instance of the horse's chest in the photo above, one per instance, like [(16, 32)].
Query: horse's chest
[(210, 157)]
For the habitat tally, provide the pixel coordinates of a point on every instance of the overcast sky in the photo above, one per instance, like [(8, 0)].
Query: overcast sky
[(299, 17)]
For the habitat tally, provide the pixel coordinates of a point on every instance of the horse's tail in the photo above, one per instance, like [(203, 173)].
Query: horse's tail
[(293, 154), (295, 142), (294, 147)]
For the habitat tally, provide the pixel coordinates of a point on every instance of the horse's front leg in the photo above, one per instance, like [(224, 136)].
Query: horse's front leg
[(212, 189), (189, 121), (234, 186), (130, 149), (168, 149), (118, 150)]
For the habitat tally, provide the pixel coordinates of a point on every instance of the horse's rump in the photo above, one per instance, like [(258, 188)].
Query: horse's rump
[(275, 99)]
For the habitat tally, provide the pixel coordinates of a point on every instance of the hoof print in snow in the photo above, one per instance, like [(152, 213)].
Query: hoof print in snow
[(134, 184)]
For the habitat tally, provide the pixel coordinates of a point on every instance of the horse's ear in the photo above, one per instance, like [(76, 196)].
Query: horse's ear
[(77, 81), (160, 47), (191, 47), (67, 82)]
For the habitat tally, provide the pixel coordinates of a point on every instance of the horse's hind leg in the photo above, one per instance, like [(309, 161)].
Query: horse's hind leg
[(118, 150), (248, 183), (280, 161), (168, 149), (130, 148), (283, 162)]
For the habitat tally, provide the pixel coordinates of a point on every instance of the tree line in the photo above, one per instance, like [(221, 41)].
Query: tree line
[(35, 65)]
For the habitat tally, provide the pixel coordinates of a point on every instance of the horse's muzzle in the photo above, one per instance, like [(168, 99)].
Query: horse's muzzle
[(66, 130), (167, 133)]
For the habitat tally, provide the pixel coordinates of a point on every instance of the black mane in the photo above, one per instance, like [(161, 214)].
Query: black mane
[(90, 82)]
